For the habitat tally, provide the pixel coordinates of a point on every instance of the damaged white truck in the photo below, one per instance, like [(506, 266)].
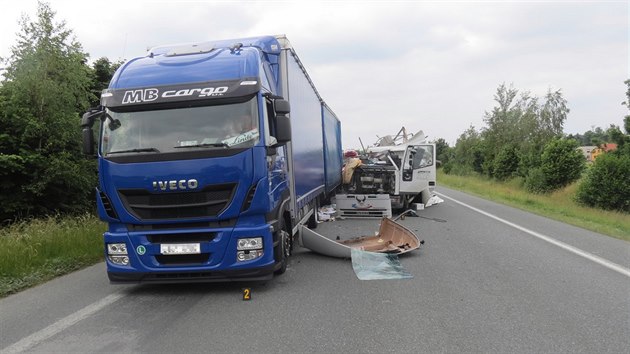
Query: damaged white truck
[(388, 176)]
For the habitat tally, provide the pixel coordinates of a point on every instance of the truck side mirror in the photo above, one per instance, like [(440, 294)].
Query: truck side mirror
[(283, 123), (283, 129), (282, 106), (88, 141), (87, 121)]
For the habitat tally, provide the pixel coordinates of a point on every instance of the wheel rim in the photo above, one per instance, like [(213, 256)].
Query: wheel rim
[(286, 246)]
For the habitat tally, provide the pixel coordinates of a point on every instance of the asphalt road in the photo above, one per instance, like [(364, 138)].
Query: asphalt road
[(482, 283)]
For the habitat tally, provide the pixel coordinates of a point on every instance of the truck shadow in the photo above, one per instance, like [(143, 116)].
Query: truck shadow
[(177, 289)]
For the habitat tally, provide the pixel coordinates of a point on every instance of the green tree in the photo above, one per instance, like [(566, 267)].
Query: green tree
[(502, 125), (606, 183), (594, 137), (442, 150), (524, 122), (467, 154), (46, 84), (623, 140), (103, 70), (506, 163), (561, 164)]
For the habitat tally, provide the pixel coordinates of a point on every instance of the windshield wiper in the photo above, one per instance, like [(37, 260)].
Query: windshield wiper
[(134, 150), (202, 145)]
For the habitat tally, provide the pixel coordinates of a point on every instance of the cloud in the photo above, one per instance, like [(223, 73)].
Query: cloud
[(383, 65)]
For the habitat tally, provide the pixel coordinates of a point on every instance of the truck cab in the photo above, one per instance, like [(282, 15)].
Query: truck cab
[(193, 152), (405, 172)]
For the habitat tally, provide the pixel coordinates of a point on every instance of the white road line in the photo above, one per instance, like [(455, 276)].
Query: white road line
[(37, 337), (606, 263)]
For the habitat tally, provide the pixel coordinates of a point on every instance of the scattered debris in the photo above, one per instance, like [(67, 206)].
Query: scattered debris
[(326, 213), (392, 237), (374, 266), (434, 200)]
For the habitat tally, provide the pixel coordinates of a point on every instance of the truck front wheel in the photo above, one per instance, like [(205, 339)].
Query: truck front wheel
[(282, 251)]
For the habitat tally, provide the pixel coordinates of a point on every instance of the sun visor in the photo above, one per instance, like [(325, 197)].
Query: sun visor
[(201, 91)]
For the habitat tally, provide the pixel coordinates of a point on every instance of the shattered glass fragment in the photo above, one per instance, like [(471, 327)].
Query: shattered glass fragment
[(373, 266)]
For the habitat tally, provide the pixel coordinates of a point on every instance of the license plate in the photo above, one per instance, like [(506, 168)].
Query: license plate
[(180, 248)]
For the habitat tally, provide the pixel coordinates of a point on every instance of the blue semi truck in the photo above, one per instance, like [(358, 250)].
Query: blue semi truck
[(210, 156)]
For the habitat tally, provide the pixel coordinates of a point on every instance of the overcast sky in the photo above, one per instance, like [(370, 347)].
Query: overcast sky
[(381, 65)]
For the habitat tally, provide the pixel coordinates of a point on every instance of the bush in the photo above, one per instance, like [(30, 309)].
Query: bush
[(506, 163), (607, 183), (535, 182), (562, 163)]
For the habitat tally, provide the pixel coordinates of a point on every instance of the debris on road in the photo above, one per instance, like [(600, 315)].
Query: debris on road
[(326, 213), (392, 237), (377, 266)]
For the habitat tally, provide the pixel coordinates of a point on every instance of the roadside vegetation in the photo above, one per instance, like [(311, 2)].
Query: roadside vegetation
[(558, 205), (47, 84), (34, 251), (522, 158)]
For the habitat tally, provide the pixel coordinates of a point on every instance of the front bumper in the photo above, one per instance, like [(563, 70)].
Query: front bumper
[(217, 260), (255, 274)]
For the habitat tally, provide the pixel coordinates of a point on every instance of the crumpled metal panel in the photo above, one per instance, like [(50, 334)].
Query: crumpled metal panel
[(391, 238)]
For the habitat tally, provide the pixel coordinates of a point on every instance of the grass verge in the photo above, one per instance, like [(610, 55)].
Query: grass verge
[(34, 251), (559, 205)]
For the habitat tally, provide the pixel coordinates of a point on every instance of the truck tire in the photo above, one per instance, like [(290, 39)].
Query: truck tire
[(282, 251)]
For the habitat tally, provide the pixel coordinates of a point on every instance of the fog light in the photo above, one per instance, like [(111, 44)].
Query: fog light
[(243, 256), (119, 260), (254, 243), (116, 248)]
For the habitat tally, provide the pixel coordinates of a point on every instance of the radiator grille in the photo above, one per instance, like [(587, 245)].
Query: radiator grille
[(210, 201)]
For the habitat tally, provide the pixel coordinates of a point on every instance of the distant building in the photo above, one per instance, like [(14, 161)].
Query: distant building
[(605, 147), (587, 151)]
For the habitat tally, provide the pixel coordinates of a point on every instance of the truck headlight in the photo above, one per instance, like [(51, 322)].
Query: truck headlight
[(117, 253), (119, 260), (253, 243), (243, 256), (116, 248)]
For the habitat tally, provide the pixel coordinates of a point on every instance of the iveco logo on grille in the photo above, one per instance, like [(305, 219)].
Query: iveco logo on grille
[(175, 185)]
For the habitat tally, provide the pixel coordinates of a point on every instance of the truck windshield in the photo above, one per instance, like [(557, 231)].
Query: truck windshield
[(209, 127)]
